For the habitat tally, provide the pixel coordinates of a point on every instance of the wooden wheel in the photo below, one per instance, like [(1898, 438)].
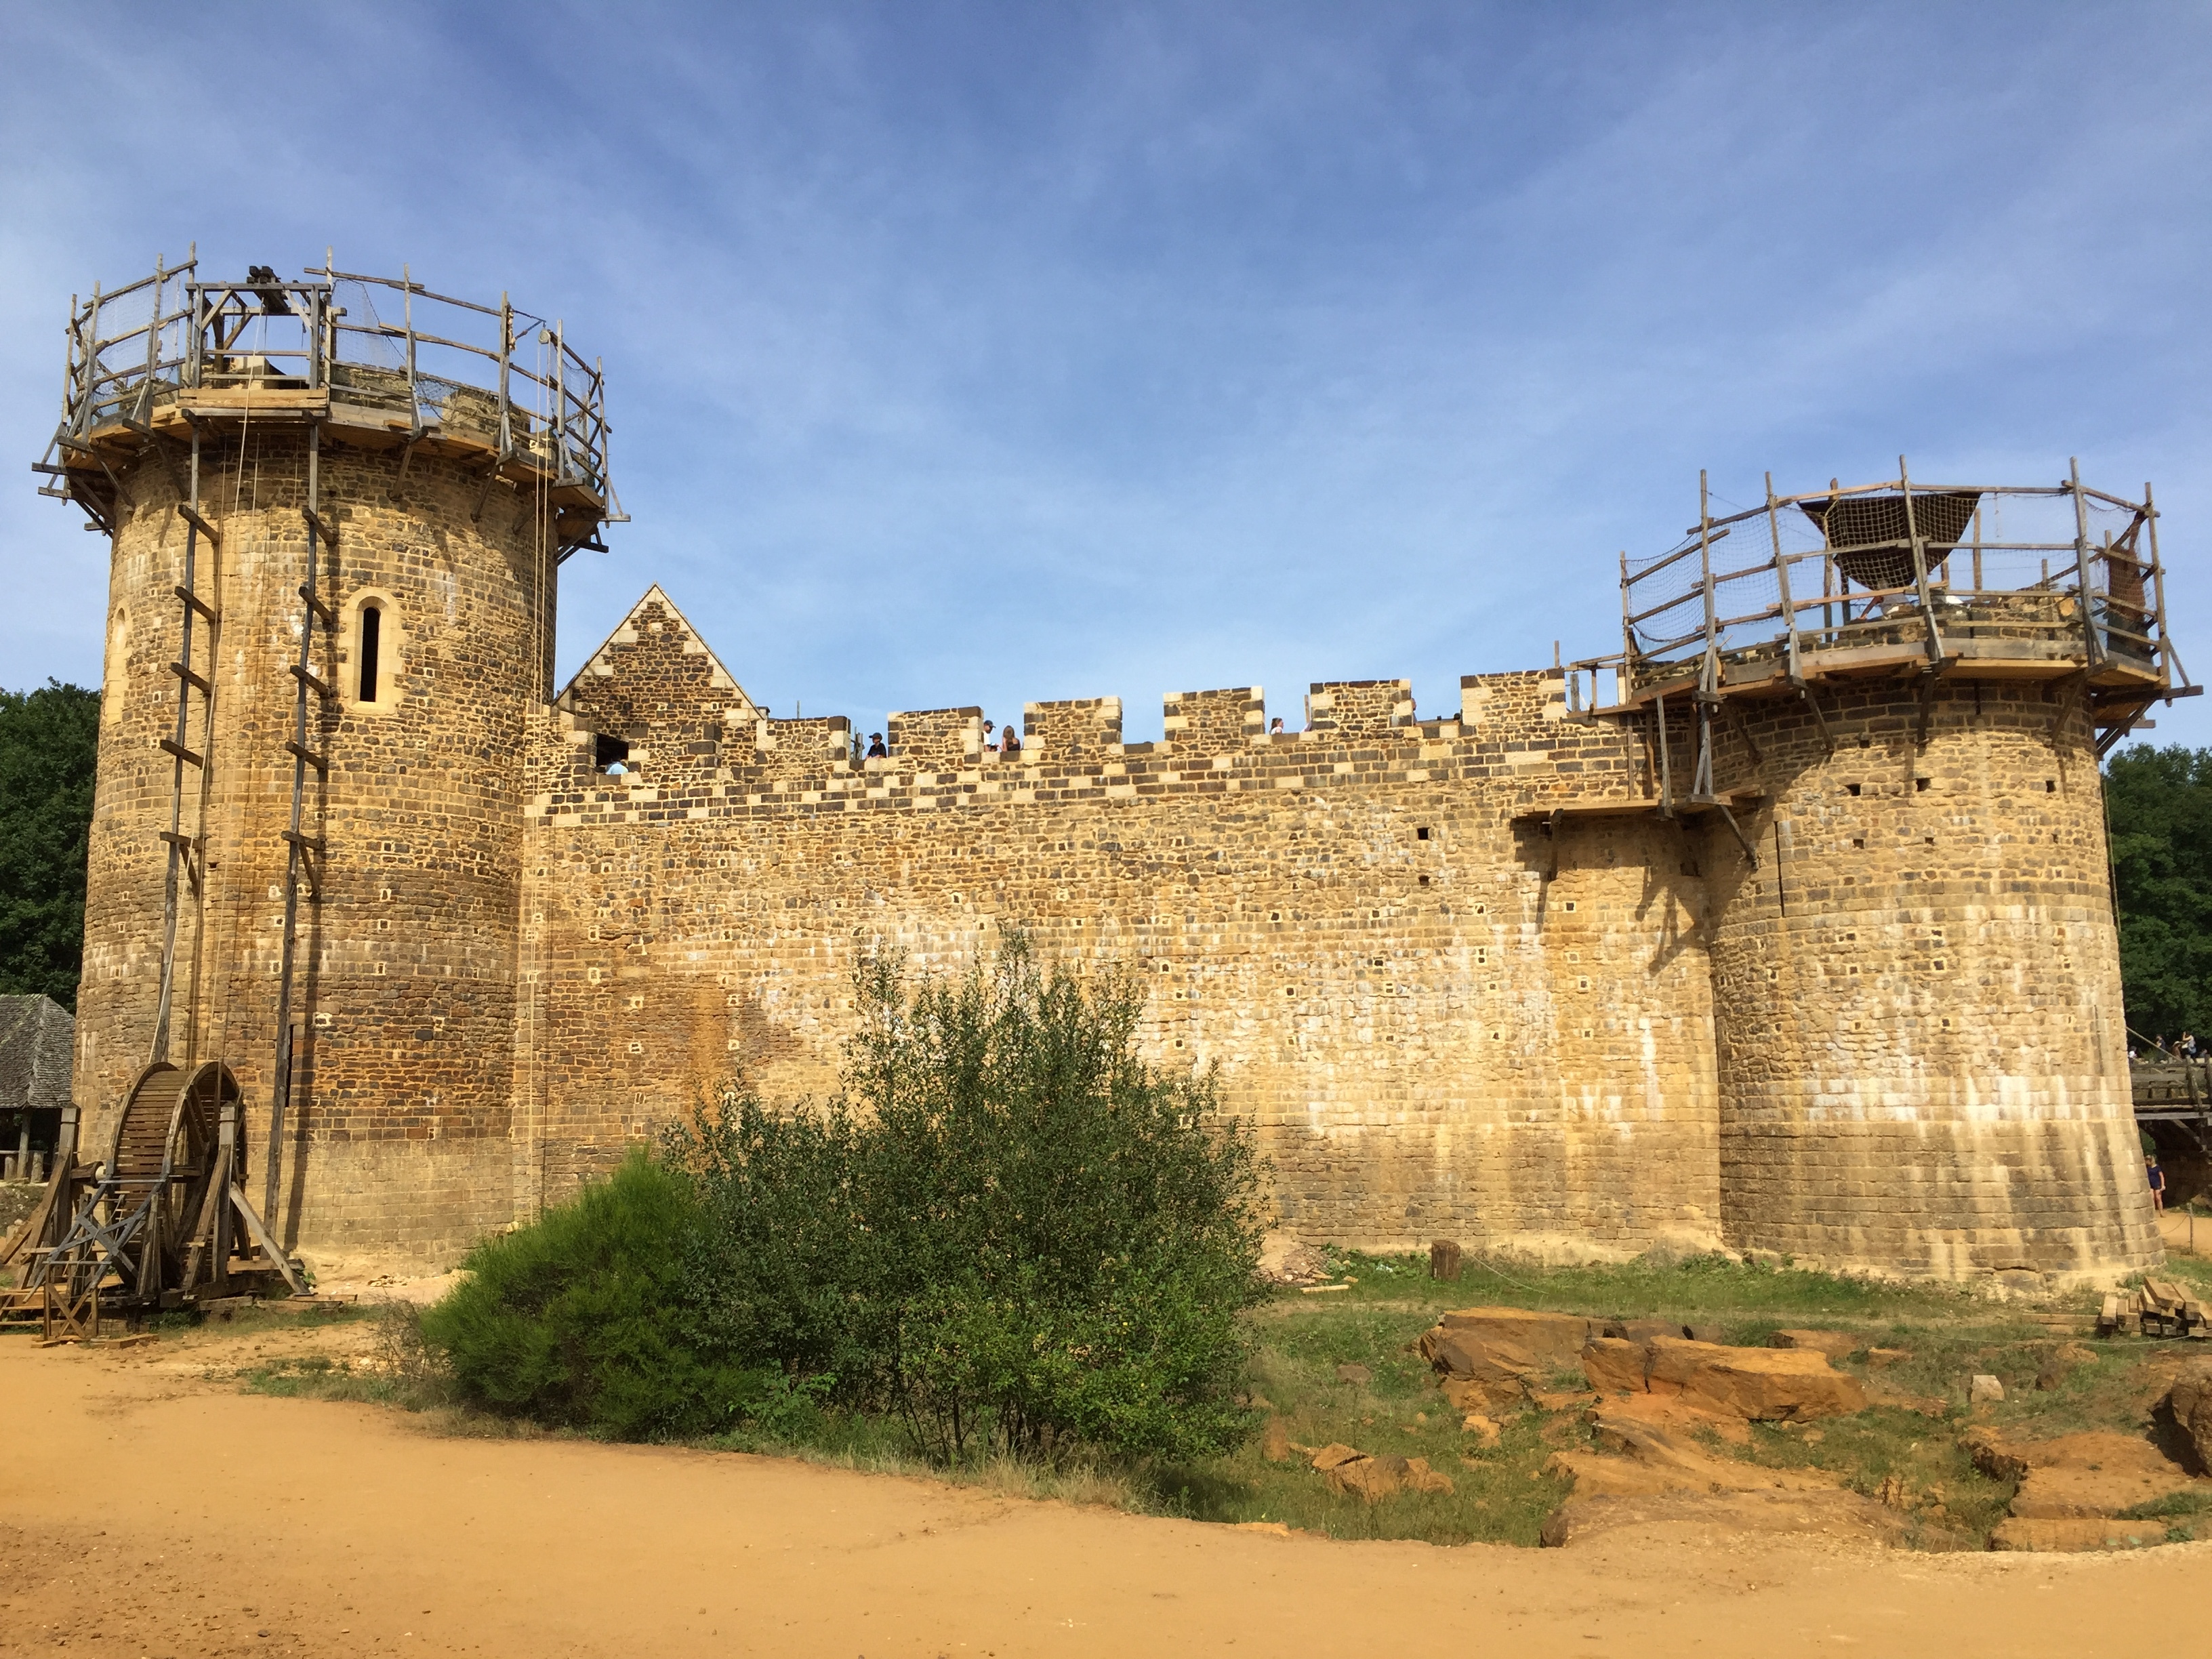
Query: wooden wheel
[(164, 1155), (141, 1130)]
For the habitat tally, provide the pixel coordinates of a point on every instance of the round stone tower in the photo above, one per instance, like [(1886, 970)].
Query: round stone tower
[(337, 508), (1923, 1061), (1894, 774)]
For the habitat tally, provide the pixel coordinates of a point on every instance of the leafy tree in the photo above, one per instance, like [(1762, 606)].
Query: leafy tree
[(2160, 804), (49, 750)]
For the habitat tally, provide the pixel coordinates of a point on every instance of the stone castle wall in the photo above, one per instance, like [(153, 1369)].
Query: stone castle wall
[(1444, 1019), (400, 1133), (1922, 1047), (1463, 975)]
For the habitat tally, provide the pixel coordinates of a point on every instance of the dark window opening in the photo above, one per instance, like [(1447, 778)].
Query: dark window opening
[(1421, 834), (1920, 785), (1852, 788), (610, 755), (372, 630)]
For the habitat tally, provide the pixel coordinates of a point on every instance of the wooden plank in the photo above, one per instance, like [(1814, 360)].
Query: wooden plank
[(170, 746), (320, 762), (1624, 807), (197, 602), (259, 1232), (307, 677), (191, 517), (255, 399)]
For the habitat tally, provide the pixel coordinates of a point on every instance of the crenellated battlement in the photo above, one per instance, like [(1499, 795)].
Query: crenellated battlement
[(697, 743)]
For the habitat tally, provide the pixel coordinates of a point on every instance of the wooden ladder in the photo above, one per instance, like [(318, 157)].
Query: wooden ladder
[(304, 852), (188, 852)]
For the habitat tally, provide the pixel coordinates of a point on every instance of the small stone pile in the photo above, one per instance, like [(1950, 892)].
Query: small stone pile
[(1285, 1260)]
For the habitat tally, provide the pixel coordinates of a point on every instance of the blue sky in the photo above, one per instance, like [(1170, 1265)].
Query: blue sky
[(983, 354)]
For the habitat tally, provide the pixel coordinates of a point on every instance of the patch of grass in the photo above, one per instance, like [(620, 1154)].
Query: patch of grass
[(1935, 1479), (2173, 1503), (2194, 1270), (284, 1314), (315, 1377), (1695, 1289), (1500, 1495)]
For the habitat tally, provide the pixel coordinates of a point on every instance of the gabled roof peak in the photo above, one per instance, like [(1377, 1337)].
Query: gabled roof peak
[(638, 624)]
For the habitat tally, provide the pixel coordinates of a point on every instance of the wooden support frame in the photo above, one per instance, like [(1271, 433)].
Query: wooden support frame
[(70, 1318), (1676, 622)]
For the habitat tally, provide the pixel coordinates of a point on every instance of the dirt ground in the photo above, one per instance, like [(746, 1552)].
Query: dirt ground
[(149, 1508)]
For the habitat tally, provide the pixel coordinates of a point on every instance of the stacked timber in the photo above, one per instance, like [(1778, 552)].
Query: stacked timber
[(2161, 1308)]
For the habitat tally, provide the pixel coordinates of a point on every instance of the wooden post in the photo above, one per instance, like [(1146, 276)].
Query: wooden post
[(1782, 580), (153, 345), (1443, 1258), (1708, 668), (560, 433), (2094, 652), (2158, 586), (1919, 567), (1627, 635), (506, 351), (407, 313), (226, 1162)]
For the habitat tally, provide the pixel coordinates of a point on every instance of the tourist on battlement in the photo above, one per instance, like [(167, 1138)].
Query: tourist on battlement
[(1010, 741), (1275, 727), (876, 750)]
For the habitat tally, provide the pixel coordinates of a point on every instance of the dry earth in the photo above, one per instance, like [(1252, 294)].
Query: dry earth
[(148, 1508)]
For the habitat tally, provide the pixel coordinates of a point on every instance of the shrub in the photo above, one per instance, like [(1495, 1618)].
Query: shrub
[(780, 1266), (583, 1319), (1009, 1228)]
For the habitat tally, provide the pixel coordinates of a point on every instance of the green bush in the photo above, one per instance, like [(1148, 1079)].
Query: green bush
[(1009, 1228), (582, 1320), (1008, 1233), (778, 1269)]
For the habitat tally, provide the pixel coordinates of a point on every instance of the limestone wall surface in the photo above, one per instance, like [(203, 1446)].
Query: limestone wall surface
[(1921, 1051), (1465, 977), (405, 1001), (1445, 1016)]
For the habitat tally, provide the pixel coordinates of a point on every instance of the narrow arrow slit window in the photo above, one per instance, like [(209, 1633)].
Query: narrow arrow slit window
[(372, 630)]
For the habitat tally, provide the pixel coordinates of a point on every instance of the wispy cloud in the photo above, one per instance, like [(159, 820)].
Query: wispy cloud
[(976, 353)]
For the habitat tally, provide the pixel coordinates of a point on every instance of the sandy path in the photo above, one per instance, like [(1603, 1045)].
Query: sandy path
[(145, 1512)]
